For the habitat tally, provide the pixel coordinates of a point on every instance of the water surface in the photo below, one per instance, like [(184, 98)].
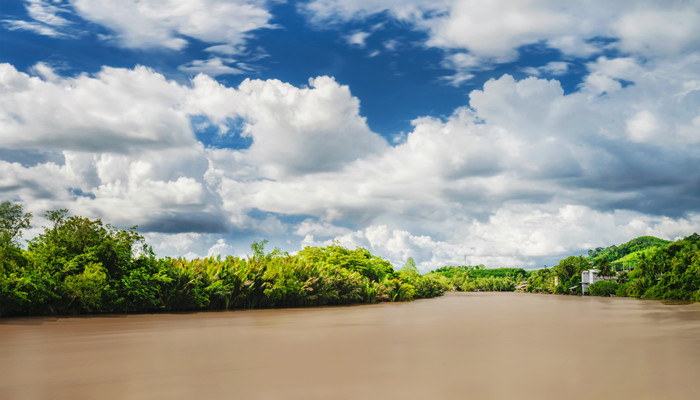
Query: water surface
[(477, 345)]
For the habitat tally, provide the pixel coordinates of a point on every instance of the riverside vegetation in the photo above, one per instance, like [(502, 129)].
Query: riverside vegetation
[(645, 267), (478, 278), (78, 265)]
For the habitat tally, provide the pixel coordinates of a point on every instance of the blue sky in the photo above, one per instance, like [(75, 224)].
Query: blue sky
[(506, 132)]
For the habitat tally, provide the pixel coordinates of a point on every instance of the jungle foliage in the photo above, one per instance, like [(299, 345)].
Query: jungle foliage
[(616, 254), (479, 278), (660, 270), (78, 265)]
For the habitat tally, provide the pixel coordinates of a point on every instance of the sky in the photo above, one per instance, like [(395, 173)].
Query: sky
[(495, 132)]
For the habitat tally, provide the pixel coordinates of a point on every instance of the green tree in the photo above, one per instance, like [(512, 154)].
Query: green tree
[(410, 266), (569, 272), (88, 262), (604, 268), (12, 221)]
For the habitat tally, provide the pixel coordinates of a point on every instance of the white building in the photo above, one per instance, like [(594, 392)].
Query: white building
[(589, 277)]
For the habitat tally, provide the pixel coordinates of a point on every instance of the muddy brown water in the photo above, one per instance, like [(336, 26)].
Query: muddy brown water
[(480, 345)]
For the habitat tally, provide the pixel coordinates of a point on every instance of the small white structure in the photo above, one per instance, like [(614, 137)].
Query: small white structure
[(589, 277)]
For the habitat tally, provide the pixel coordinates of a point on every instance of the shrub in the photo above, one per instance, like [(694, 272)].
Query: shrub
[(603, 288)]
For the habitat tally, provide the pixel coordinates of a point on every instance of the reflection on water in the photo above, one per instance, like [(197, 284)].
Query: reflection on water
[(485, 345)]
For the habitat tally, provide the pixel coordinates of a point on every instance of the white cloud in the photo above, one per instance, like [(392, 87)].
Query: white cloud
[(213, 66), (116, 111), (515, 236), (665, 29), (556, 67), (495, 29), (323, 229), (47, 19), (492, 31), (173, 244), (522, 174), (642, 126), (325, 11), (47, 12), (220, 248), (294, 130), (532, 71), (45, 71), (357, 38), (35, 27), (145, 24), (518, 106), (463, 64), (169, 23)]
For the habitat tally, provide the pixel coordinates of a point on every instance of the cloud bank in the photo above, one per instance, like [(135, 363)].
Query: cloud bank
[(519, 174)]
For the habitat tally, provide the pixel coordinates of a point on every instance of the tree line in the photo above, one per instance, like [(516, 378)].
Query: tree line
[(645, 267), (81, 265), (471, 278)]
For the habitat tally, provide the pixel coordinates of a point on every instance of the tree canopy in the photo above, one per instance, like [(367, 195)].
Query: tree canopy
[(81, 265)]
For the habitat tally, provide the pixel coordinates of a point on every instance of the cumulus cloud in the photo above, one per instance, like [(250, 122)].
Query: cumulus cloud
[(124, 143), (116, 111), (493, 31), (515, 236), (660, 29), (521, 174), (220, 248), (294, 130), (525, 172)]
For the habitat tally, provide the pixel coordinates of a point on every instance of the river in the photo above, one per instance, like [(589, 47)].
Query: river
[(459, 346)]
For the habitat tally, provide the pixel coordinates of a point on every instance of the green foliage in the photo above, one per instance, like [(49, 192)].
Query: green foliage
[(615, 253), (87, 287), (541, 281), (660, 270), (568, 272), (473, 278), (359, 260), (603, 288), (79, 265), (12, 221), (671, 272)]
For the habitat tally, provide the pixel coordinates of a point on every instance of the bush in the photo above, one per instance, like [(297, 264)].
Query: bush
[(603, 288)]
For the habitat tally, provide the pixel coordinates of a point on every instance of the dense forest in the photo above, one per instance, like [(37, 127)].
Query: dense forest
[(78, 265), (626, 254), (645, 267), (478, 278)]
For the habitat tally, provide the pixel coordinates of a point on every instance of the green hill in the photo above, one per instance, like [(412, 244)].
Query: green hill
[(626, 252)]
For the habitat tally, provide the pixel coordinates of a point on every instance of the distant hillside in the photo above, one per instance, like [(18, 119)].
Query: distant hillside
[(626, 252), (653, 269)]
